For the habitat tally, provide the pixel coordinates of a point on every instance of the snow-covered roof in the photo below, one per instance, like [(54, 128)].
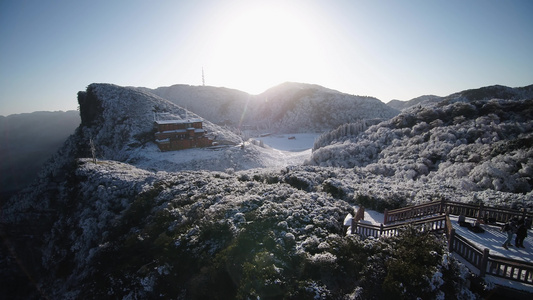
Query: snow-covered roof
[(163, 141), (159, 122), (175, 131)]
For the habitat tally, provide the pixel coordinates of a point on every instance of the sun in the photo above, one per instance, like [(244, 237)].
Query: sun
[(264, 45)]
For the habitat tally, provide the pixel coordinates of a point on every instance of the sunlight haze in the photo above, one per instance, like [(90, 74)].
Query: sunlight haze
[(50, 50)]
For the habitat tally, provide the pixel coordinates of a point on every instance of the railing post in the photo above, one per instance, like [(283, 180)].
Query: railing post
[(480, 212), (354, 226), (484, 261), (451, 239), (381, 229), (442, 206), (385, 215)]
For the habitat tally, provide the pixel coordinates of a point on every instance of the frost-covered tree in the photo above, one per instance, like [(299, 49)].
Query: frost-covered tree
[(478, 145)]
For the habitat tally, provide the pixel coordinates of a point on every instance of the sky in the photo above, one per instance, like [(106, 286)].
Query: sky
[(50, 50)]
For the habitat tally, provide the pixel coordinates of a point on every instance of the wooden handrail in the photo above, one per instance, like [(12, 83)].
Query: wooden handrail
[(510, 268), (388, 229), (486, 263), (497, 214), (416, 211)]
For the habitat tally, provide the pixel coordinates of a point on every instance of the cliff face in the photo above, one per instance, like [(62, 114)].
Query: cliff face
[(120, 121), (90, 106)]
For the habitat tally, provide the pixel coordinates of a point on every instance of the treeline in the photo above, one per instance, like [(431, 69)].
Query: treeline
[(344, 131)]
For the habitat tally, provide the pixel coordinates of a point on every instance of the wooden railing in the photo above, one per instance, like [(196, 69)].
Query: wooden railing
[(459, 208), (510, 269), (367, 230), (413, 212), (431, 224), (494, 214), (486, 263), (469, 251)]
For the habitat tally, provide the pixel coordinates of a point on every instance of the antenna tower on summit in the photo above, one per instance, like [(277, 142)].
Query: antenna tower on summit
[(203, 78)]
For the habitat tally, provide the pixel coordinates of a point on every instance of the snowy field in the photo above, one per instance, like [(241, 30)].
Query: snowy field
[(278, 151), (290, 142), (286, 150)]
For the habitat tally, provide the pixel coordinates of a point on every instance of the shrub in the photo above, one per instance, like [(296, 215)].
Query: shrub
[(329, 187), (298, 183), (377, 204)]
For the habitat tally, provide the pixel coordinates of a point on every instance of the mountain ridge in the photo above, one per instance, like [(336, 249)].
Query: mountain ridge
[(470, 144), (143, 223), (482, 93), (286, 108)]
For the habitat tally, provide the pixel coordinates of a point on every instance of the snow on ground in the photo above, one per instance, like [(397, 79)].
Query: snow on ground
[(287, 149), (278, 151), (371, 217), (290, 142), (271, 157)]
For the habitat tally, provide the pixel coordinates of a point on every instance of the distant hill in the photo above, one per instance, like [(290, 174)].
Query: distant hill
[(401, 105), (483, 93), (287, 108), (491, 92), (27, 141), (220, 106)]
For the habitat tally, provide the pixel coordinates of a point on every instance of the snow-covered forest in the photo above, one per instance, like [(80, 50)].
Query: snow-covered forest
[(469, 146), (124, 232), (239, 222)]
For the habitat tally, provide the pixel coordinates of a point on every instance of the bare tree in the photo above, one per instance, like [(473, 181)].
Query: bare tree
[(93, 150)]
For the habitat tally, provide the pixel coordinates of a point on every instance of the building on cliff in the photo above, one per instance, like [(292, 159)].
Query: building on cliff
[(174, 135)]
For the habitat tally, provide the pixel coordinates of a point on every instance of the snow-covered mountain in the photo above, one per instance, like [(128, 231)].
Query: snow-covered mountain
[(287, 108), (219, 105), (422, 100), (120, 120), (463, 142), (483, 93), (218, 224)]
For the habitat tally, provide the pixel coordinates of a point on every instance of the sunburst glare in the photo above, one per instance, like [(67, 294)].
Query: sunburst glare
[(262, 46)]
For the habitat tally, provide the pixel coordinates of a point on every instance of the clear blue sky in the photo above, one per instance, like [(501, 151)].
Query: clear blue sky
[(50, 50)]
